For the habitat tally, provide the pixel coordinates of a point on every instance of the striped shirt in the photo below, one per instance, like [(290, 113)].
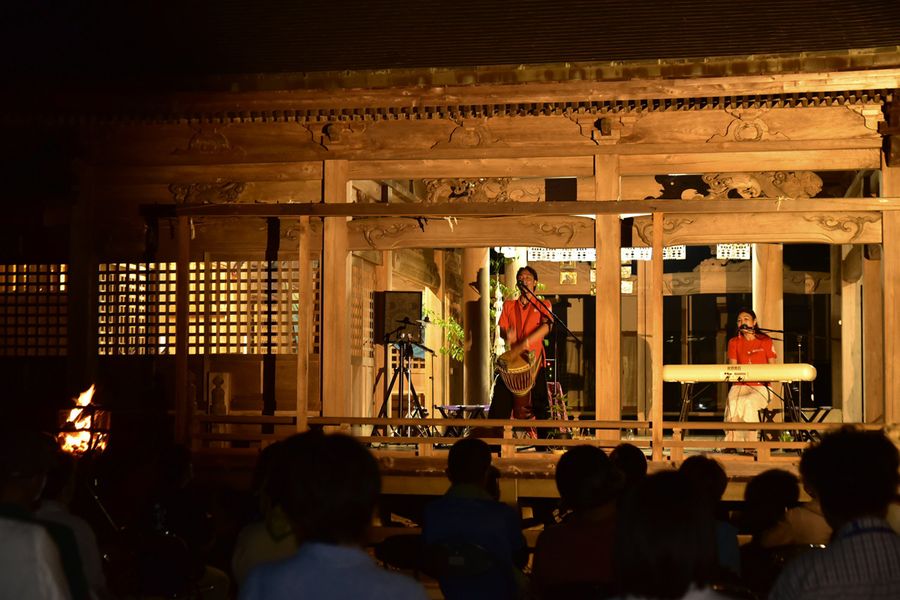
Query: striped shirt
[(863, 561)]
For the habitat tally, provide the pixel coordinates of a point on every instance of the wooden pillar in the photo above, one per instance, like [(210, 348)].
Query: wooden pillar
[(335, 342), (304, 322), (656, 336), (383, 282), (476, 320), (851, 333), (184, 408), (768, 289), (607, 237), (837, 305), (891, 285), (644, 335), (513, 264), (81, 278), (767, 284), (872, 336)]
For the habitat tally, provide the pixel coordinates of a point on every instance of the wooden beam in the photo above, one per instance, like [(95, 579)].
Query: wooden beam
[(500, 209), (469, 232), (719, 162), (568, 166), (212, 173), (811, 227), (420, 98)]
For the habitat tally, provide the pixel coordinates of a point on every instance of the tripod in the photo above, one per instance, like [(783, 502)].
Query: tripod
[(409, 405)]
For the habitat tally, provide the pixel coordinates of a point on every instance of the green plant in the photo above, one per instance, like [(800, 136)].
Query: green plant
[(454, 336)]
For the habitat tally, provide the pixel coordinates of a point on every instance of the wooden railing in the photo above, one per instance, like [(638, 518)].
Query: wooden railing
[(422, 436)]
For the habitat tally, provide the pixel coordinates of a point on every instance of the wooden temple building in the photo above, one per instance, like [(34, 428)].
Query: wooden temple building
[(229, 248)]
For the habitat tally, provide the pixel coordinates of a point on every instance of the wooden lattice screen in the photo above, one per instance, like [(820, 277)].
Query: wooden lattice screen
[(362, 310), (33, 310), (133, 315), (234, 307)]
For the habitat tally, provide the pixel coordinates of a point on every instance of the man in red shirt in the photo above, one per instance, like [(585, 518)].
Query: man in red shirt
[(745, 400), (523, 326)]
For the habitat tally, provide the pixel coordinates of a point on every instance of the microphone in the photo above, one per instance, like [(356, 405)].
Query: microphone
[(520, 285), (745, 327)]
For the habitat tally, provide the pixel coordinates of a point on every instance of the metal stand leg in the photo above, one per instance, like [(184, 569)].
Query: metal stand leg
[(409, 405), (685, 401)]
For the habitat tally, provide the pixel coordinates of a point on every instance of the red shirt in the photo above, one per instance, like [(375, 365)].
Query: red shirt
[(525, 320), (757, 351)]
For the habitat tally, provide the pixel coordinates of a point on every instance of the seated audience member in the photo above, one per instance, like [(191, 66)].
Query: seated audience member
[(767, 498), (183, 510), (54, 507), (578, 552), (632, 462), (708, 478), (332, 489), (665, 543), (855, 475), (269, 538), (468, 514), (30, 561), (803, 524)]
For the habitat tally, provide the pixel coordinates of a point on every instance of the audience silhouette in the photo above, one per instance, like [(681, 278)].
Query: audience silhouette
[(709, 481), (574, 558), (665, 544), (332, 489), (854, 473), (470, 519)]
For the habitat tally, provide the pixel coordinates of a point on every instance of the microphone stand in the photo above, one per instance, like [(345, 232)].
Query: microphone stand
[(795, 407), (767, 332), (532, 299)]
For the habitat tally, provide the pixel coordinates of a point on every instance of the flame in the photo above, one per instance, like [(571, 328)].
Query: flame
[(80, 438)]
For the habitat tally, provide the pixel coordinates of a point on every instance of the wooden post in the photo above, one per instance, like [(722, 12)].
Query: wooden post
[(642, 368), (767, 283), (608, 292), (304, 304), (81, 283), (873, 337), (851, 333), (184, 408), (476, 320), (768, 289), (891, 286), (656, 336), (335, 342), (383, 282)]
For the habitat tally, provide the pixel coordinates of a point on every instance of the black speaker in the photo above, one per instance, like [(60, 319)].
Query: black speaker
[(397, 316)]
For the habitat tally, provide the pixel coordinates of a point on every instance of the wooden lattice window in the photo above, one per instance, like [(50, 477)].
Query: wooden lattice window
[(362, 310), (317, 306), (135, 309), (33, 310), (234, 307), (244, 307)]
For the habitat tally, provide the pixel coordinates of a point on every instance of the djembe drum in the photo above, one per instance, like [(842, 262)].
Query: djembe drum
[(518, 371)]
